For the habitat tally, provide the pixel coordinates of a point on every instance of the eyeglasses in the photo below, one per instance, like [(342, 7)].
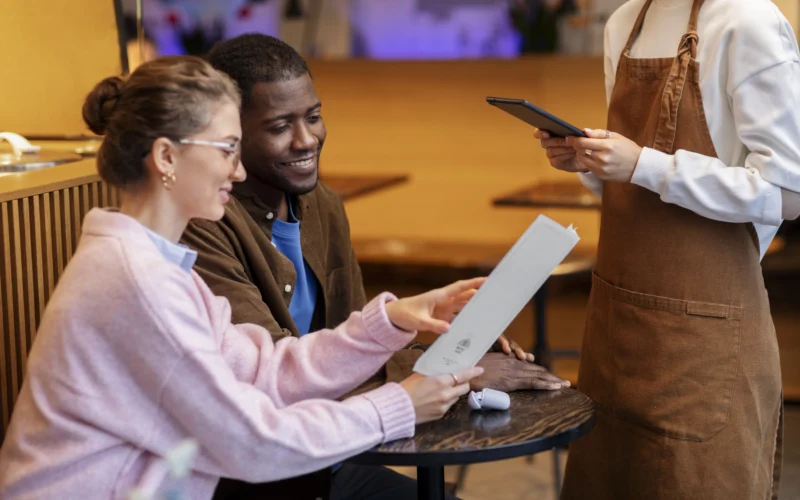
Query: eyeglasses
[(233, 149)]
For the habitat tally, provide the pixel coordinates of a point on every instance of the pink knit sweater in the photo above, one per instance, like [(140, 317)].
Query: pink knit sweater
[(135, 355)]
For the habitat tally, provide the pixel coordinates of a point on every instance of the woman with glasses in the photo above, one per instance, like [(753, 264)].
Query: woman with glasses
[(134, 354)]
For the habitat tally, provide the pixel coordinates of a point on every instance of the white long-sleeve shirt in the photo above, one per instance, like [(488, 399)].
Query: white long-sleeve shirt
[(750, 84)]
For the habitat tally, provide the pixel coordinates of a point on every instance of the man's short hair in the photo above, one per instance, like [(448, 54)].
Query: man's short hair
[(255, 58)]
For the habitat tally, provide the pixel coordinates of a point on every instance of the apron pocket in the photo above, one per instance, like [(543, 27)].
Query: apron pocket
[(675, 363)]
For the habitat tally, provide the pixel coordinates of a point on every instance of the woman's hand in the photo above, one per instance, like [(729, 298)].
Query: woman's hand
[(432, 311), (560, 154), (608, 155), (433, 396)]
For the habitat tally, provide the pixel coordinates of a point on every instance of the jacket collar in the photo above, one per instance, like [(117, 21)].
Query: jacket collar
[(259, 209)]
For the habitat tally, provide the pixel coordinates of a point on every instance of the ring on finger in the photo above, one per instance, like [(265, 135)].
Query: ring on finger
[(588, 153), (455, 379), (608, 134)]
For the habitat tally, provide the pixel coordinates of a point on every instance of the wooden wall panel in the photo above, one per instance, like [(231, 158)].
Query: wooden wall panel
[(40, 235), (430, 120), (61, 49)]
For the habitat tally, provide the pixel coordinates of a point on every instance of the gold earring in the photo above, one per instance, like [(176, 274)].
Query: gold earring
[(168, 180)]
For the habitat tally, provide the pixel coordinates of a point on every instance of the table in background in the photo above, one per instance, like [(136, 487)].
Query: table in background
[(550, 194), (554, 194), (350, 186)]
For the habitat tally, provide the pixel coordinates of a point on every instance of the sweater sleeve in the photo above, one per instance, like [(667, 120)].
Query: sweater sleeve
[(248, 427), (325, 364), (244, 434)]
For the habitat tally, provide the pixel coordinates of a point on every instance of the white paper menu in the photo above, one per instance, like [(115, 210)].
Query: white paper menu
[(511, 285)]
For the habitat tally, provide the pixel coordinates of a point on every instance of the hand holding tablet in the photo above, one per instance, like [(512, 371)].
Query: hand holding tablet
[(551, 131), (536, 116)]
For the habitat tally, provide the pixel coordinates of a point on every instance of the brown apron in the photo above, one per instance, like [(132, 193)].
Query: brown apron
[(680, 352)]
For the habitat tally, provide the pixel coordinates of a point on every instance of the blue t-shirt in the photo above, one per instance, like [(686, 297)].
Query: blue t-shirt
[(286, 237)]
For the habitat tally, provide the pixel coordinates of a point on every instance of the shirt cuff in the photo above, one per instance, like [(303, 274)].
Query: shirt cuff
[(773, 206), (395, 409), (591, 183), (653, 170)]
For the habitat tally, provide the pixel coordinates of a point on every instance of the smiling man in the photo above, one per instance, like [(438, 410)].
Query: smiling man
[(282, 253)]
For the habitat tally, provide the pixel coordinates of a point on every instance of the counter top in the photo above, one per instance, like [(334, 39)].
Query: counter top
[(21, 184), (15, 185)]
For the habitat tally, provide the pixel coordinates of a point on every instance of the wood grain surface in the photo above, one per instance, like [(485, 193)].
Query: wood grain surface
[(537, 421)]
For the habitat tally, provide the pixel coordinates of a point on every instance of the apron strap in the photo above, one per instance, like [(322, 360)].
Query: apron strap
[(637, 27), (695, 14), (692, 29), (673, 90)]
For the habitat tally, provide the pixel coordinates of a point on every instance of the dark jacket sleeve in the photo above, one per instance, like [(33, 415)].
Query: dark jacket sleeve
[(220, 267), (401, 363)]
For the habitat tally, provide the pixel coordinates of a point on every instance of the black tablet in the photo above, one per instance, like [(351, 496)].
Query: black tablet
[(536, 116)]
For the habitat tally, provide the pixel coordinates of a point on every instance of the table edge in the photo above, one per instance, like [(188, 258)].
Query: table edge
[(388, 181), (505, 202), (435, 459)]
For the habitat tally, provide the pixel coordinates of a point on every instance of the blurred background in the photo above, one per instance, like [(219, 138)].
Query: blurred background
[(437, 184), (383, 29)]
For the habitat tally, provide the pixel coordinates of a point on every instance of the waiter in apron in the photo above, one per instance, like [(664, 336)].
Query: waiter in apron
[(698, 168)]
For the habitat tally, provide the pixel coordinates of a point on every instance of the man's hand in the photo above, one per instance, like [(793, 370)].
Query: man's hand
[(508, 346), (505, 372)]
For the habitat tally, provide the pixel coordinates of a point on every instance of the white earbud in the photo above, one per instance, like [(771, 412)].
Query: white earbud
[(489, 399)]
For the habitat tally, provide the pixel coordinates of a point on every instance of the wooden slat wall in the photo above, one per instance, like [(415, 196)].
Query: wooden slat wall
[(40, 234)]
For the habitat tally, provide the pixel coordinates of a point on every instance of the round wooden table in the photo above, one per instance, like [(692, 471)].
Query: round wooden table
[(537, 421)]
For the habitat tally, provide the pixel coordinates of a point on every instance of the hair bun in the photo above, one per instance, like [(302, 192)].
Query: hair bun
[(100, 104)]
